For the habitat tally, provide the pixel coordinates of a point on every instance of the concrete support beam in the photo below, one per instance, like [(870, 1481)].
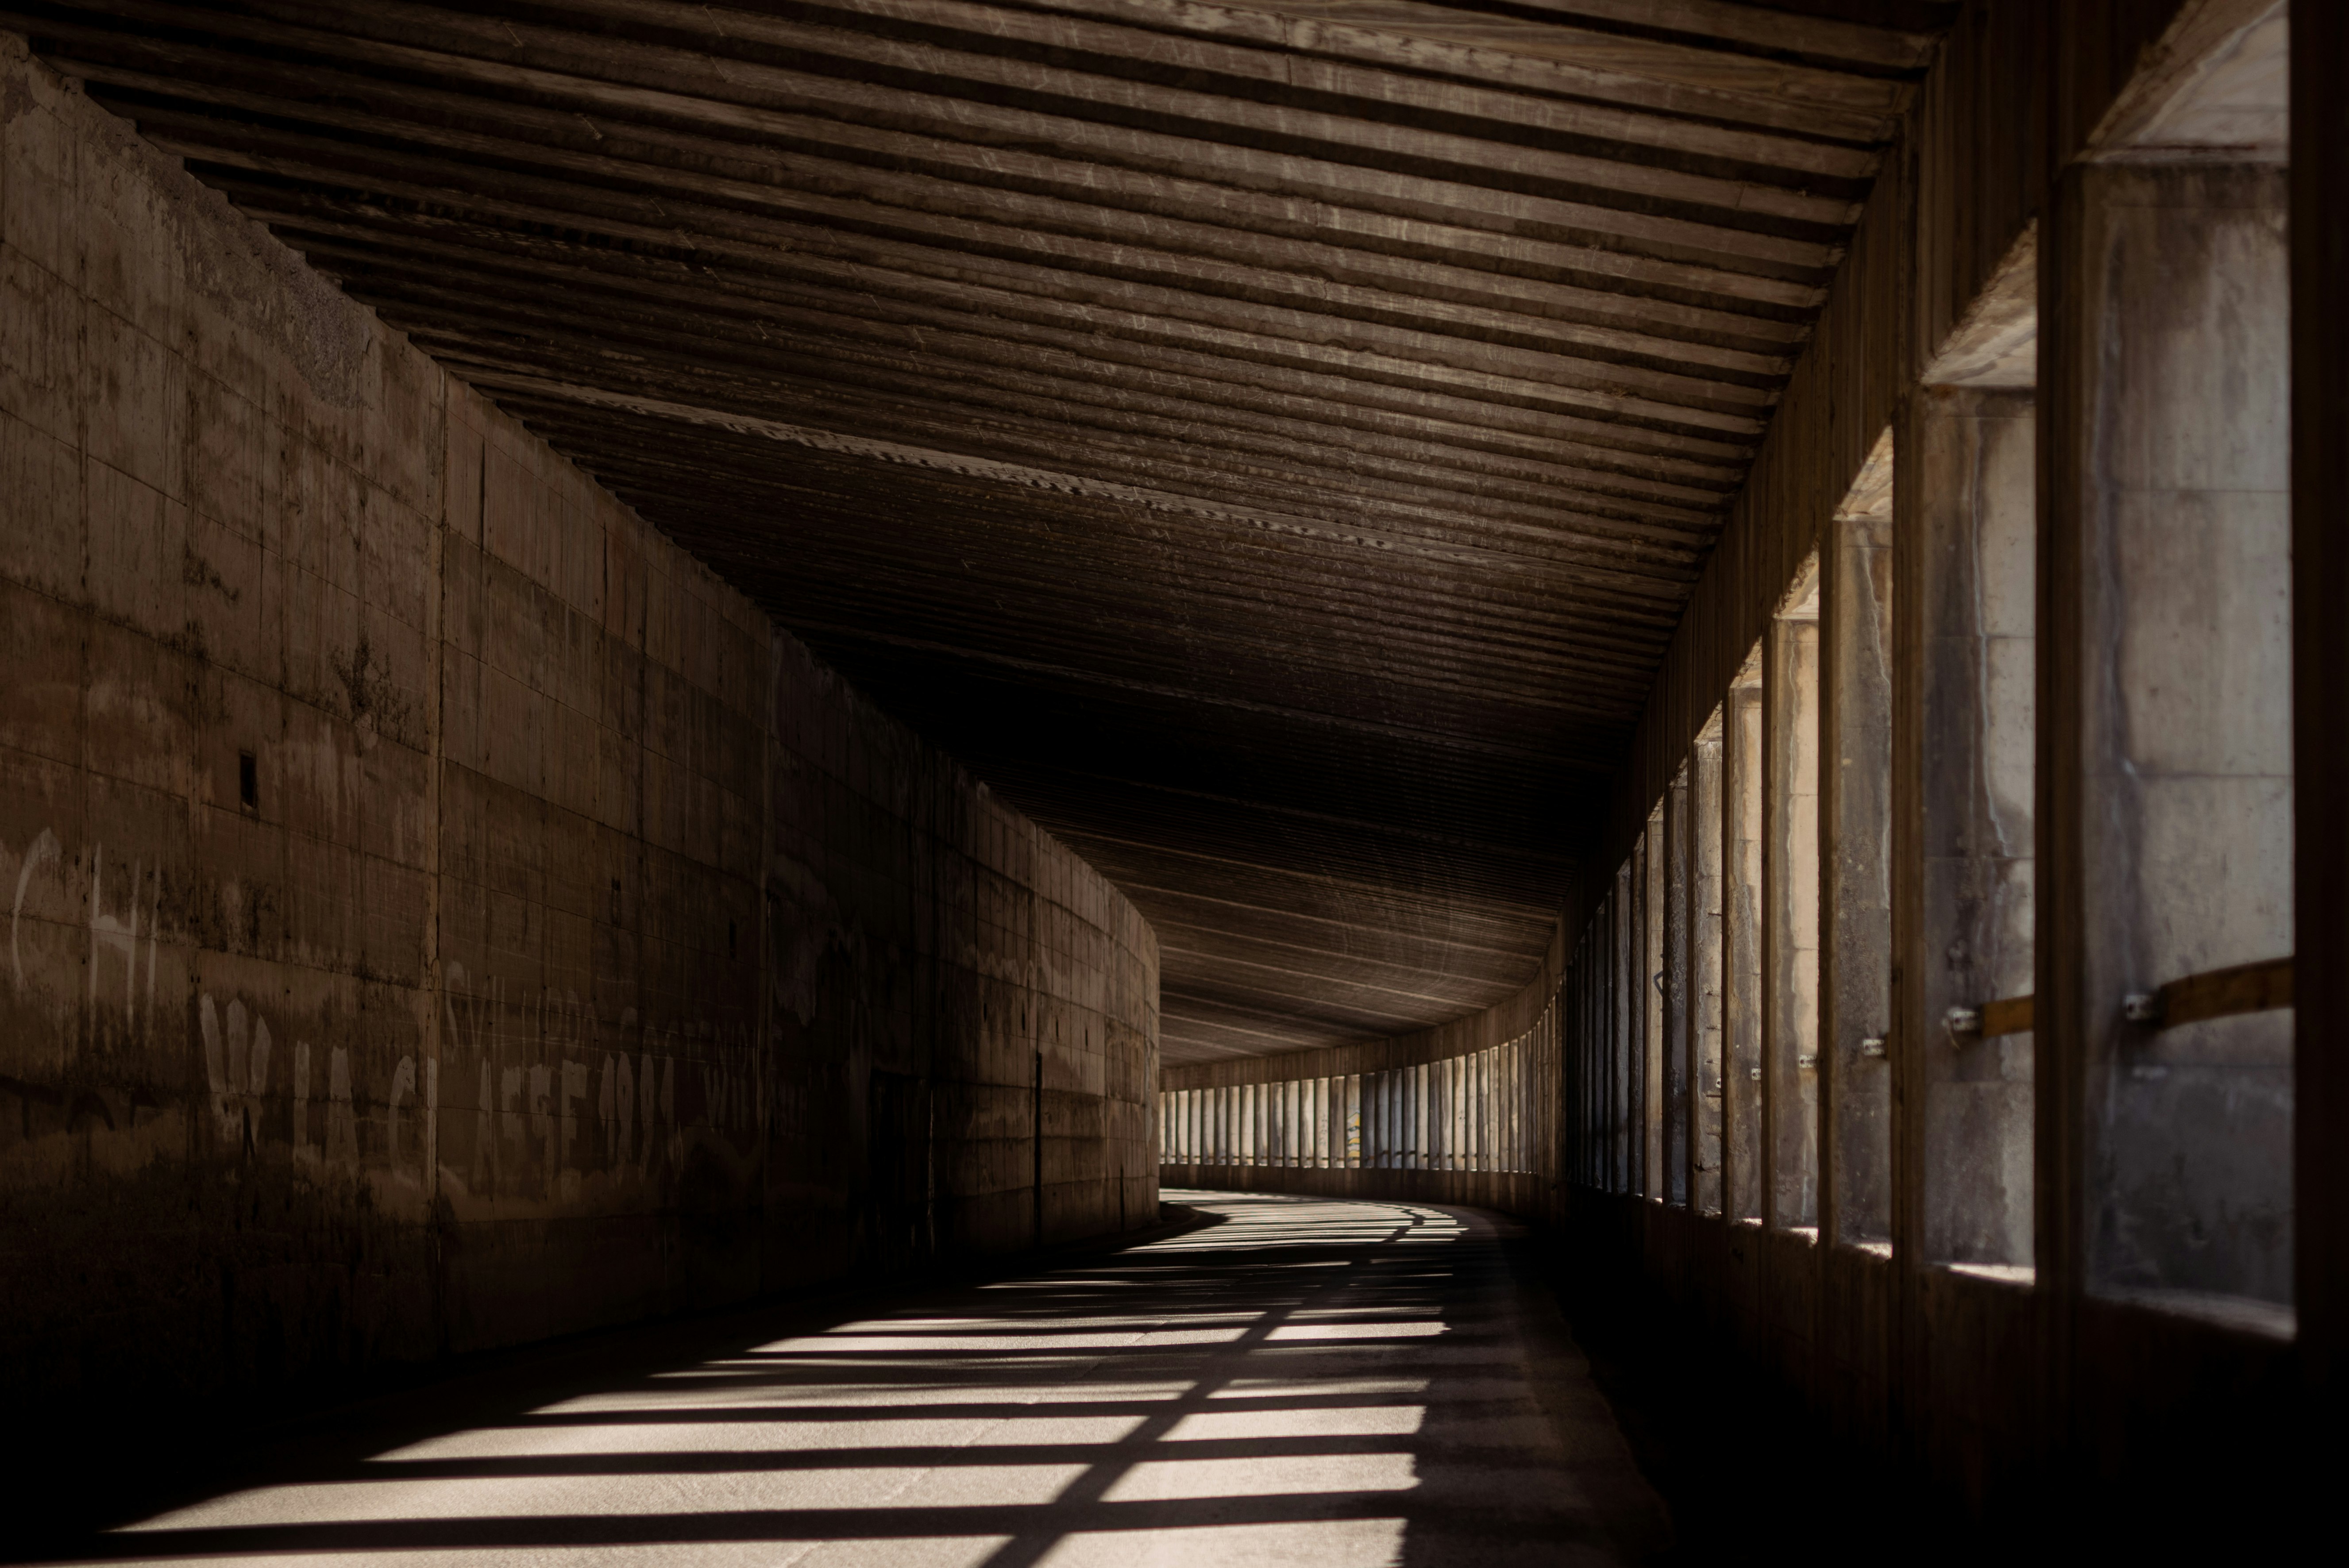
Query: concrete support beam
[(1624, 1046), (1790, 911), (1680, 877), (1856, 828), (1653, 862), (2164, 753), (1964, 738), (1704, 969), (2319, 226), (1745, 767)]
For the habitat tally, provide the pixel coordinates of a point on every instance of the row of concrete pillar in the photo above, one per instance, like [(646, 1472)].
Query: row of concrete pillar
[(2010, 769), (1467, 1112)]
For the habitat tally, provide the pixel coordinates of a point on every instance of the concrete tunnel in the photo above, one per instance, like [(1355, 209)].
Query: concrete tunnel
[(1236, 781)]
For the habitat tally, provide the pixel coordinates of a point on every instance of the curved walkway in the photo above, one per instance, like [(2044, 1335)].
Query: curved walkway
[(1307, 1381)]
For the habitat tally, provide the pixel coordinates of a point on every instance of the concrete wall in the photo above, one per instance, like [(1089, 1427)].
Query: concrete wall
[(441, 913)]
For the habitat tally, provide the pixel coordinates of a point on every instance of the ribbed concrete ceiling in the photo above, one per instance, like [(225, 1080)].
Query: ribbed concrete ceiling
[(1270, 442)]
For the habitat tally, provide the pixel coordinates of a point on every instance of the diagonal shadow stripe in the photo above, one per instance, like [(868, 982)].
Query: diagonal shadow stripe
[(1051, 1520)]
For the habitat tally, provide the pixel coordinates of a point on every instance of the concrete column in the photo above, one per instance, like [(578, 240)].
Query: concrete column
[(1327, 1098), (1581, 1116), (1856, 906), (1704, 962), (1390, 1121), (1506, 1098), (1400, 1126), (1390, 1118), (1523, 1057), (1610, 1025), (1464, 1113), (1480, 1110), (1678, 877), (1491, 1105), (1423, 1119), (1583, 1014), (1652, 1113), (1356, 1114), (1393, 1149), (1790, 908), (1333, 1122), (1742, 773), (2165, 727), (1455, 1123), (1623, 1032), (2320, 549), (1963, 736), (1437, 1110), (1380, 1092), (1455, 1114)]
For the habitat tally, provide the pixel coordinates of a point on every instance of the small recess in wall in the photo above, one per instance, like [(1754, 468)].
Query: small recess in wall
[(248, 780)]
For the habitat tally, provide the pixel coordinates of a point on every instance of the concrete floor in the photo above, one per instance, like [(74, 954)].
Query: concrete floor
[(1304, 1381)]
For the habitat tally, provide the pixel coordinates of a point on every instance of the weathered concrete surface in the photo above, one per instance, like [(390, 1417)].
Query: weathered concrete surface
[(2166, 750), (439, 913), (1854, 906), (1964, 740), (1307, 1382)]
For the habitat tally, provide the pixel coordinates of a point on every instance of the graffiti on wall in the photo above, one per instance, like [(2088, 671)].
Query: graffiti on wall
[(537, 1095)]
